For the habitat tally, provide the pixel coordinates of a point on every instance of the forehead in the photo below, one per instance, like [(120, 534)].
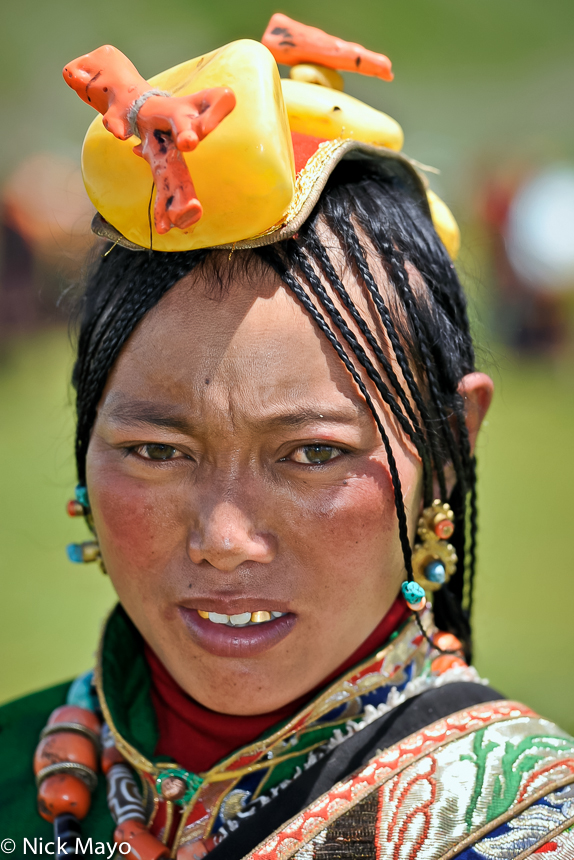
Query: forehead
[(251, 343)]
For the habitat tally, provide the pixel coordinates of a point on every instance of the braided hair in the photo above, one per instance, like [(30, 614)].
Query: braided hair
[(414, 344)]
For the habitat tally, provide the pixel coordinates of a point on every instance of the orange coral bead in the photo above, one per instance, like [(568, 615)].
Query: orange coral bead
[(445, 662), (63, 793), (75, 509), (110, 756), (447, 642), (65, 746), (143, 844), (444, 528), (74, 714)]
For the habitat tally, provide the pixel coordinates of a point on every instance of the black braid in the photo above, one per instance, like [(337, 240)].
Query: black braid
[(320, 254), (349, 238), (293, 253), (448, 601), (279, 266), (111, 322), (433, 359), (301, 262)]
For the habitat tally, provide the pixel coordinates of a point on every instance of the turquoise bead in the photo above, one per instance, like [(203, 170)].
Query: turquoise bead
[(82, 495), (435, 572), (82, 692), (75, 552), (412, 592)]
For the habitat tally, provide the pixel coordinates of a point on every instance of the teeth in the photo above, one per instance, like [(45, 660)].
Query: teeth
[(242, 619), (259, 617), (217, 618)]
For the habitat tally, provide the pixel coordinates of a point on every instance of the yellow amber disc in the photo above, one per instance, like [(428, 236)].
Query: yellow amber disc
[(243, 171)]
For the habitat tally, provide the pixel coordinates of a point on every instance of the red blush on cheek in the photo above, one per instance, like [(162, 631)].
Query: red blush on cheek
[(134, 529), (357, 521)]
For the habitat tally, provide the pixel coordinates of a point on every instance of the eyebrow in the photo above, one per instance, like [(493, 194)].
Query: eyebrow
[(148, 414), (306, 416), (151, 414)]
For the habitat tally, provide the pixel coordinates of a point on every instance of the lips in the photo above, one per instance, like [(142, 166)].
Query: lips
[(223, 640)]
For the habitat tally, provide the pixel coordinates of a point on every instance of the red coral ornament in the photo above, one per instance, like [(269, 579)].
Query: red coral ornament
[(63, 793), (166, 126), (292, 43), (143, 845)]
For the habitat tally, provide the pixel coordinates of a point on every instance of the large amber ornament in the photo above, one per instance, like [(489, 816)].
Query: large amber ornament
[(243, 171), (330, 114)]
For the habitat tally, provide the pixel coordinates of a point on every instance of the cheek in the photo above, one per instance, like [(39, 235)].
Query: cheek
[(136, 528), (354, 527)]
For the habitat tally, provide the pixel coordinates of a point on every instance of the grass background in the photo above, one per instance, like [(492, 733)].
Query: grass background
[(51, 610)]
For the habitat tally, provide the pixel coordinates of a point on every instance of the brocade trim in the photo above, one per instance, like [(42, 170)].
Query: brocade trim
[(441, 788)]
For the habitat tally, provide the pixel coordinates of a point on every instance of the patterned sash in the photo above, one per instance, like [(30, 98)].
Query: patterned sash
[(492, 782)]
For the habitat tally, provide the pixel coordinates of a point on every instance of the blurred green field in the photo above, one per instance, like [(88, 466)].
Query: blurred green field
[(51, 610)]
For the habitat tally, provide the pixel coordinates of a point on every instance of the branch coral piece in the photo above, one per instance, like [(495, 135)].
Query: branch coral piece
[(292, 43), (166, 126)]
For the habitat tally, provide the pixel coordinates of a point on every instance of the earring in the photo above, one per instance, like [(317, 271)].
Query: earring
[(434, 559), (84, 552), (88, 550)]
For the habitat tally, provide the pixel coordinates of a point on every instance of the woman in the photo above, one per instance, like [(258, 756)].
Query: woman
[(277, 412)]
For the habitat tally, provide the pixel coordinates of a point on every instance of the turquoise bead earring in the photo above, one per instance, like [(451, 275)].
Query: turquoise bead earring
[(88, 550), (433, 559), (414, 595)]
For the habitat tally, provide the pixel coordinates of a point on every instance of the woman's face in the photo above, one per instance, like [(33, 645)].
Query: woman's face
[(234, 469)]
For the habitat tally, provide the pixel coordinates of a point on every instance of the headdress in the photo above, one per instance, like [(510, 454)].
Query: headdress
[(236, 156)]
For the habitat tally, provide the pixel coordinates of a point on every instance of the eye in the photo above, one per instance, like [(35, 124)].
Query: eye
[(158, 452), (315, 455)]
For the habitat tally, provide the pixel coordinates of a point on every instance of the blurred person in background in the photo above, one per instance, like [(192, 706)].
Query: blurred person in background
[(44, 235), (529, 217), (277, 412)]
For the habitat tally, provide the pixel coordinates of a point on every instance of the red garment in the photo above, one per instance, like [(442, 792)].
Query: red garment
[(197, 738)]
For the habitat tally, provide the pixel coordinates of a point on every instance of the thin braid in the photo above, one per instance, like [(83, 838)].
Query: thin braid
[(401, 281), (317, 287), (472, 548), (321, 255), (275, 261), (441, 278), (457, 309), (351, 241), (294, 253), (90, 376)]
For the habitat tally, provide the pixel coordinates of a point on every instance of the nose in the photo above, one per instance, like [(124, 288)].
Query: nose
[(227, 537)]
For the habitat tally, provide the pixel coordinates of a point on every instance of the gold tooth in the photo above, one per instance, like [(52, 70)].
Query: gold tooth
[(202, 614), (258, 617)]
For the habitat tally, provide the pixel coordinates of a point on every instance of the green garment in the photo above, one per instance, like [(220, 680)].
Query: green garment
[(20, 725), (21, 721)]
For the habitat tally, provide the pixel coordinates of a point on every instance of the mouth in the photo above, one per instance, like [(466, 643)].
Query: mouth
[(242, 619), (240, 634)]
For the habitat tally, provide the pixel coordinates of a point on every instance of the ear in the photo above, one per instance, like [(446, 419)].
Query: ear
[(476, 389)]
